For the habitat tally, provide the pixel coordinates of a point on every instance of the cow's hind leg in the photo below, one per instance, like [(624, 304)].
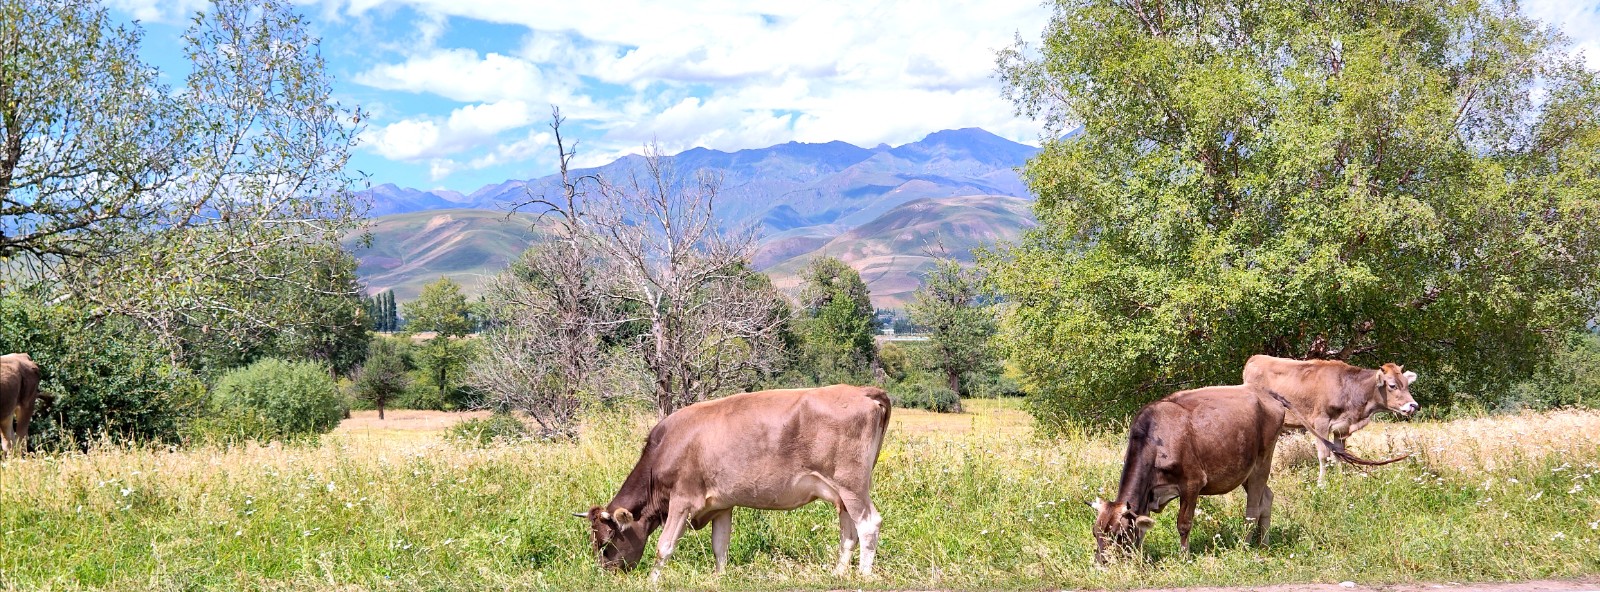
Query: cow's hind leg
[(847, 539), (858, 521), (1258, 504), (867, 528), (721, 536), (1319, 427), (6, 435)]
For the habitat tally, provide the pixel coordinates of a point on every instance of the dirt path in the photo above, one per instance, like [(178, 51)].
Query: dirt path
[(1583, 585)]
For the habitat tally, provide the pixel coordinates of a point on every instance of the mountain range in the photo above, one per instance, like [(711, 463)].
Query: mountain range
[(884, 210)]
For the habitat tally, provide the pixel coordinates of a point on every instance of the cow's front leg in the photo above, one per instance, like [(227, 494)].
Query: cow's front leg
[(721, 536), (1186, 506), (671, 530)]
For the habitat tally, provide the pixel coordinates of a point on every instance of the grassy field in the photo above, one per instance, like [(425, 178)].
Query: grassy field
[(969, 501)]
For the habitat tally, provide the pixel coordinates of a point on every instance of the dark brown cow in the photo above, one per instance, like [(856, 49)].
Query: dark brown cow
[(770, 450), (1336, 398), (19, 393), (1206, 441)]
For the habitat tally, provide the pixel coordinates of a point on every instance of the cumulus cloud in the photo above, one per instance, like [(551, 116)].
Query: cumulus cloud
[(730, 75), (1579, 20), (462, 75), (464, 128), (169, 11)]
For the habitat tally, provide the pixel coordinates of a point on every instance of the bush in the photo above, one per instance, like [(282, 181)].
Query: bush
[(485, 431), (925, 395), (291, 399), (1572, 378), (990, 385), (110, 379)]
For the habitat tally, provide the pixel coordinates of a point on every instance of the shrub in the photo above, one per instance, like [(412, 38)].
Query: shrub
[(292, 399), (925, 395), (991, 385), (110, 379), (484, 431)]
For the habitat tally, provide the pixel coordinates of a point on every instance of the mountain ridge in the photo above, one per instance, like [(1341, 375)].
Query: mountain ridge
[(880, 209)]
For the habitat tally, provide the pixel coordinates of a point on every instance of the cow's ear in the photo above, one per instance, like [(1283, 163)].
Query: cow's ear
[(1098, 504), (1410, 376), (1144, 523), (623, 517)]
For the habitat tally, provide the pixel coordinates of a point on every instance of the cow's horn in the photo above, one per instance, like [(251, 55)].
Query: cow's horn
[(581, 514)]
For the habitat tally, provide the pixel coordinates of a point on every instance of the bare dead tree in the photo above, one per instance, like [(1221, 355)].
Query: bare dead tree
[(548, 311), (713, 322)]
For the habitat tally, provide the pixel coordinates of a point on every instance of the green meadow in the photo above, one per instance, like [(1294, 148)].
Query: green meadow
[(974, 500)]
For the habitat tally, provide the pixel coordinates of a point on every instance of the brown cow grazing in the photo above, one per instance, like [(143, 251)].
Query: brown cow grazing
[(19, 393), (770, 450), (1206, 441), (1335, 398)]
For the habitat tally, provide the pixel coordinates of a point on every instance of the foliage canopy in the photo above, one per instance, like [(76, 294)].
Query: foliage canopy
[(1412, 182)]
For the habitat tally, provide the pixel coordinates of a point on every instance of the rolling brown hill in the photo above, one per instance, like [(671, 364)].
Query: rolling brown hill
[(407, 251), (893, 250)]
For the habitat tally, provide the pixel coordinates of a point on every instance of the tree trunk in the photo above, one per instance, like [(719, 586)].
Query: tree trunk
[(380, 410), (955, 387)]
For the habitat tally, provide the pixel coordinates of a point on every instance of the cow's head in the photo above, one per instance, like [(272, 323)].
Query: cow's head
[(1394, 386), (1117, 528), (618, 538)]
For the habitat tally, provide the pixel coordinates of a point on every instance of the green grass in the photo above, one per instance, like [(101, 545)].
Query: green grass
[(969, 501)]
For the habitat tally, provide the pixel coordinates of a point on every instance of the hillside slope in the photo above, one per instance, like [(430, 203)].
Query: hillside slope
[(893, 250), (407, 251)]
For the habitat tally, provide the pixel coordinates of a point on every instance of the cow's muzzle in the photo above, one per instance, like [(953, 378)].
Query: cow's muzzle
[(1408, 409)]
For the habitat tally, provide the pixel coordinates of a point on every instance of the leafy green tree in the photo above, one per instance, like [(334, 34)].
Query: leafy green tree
[(961, 327), (1396, 181), (839, 321), (441, 307), (191, 211), (384, 376), (381, 314)]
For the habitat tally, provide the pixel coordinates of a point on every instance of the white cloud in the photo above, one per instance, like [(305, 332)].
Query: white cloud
[(166, 11), (405, 140), (461, 75), (1579, 20), (465, 128), (733, 74)]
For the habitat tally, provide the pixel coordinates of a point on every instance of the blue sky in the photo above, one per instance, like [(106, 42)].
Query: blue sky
[(458, 92)]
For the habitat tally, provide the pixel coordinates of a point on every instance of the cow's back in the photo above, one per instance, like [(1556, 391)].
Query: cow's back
[(1312, 387), (1222, 430), (738, 441)]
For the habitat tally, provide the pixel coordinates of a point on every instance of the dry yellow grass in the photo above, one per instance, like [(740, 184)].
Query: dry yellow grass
[(1466, 446)]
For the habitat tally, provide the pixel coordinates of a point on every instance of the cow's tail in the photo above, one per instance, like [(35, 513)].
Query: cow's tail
[(884, 407), (1336, 448)]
